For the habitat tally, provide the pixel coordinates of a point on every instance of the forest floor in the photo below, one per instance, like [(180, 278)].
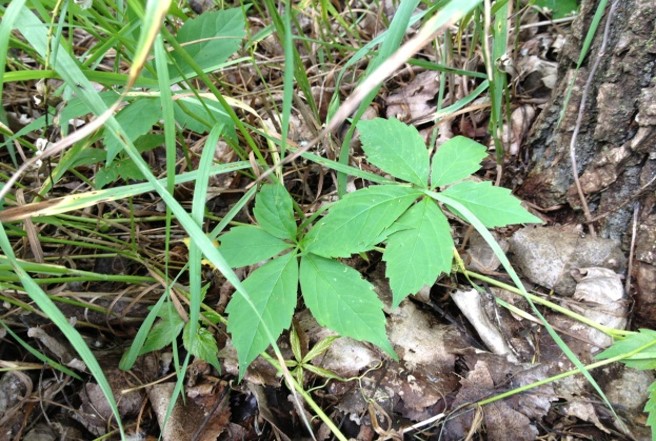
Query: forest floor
[(461, 342)]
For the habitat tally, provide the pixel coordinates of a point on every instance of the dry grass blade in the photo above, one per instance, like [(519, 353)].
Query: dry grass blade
[(446, 17)]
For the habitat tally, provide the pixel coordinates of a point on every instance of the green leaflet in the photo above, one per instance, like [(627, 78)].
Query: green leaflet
[(247, 245), (137, 118), (395, 148), (165, 331), (643, 341), (273, 288), (274, 211), (644, 360), (340, 299), (419, 251), (493, 206), (355, 223), (650, 408), (209, 39), (455, 160), (203, 346), (559, 8)]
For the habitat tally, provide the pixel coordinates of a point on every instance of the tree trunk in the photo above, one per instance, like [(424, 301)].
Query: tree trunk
[(615, 150)]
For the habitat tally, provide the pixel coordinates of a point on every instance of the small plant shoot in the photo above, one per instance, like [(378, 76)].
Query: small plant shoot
[(400, 215)]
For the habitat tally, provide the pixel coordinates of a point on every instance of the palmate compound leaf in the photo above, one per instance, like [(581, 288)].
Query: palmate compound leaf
[(273, 288), (395, 148), (493, 206), (455, 160), (247, 245), (340, 299), (419, 250), (355, 223), (274, 211)]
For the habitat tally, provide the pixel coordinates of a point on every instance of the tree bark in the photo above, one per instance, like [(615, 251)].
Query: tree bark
[(615, 150)]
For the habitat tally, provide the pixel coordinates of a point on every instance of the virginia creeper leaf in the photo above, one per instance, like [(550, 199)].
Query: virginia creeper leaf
[(650, 408), (455, 160), (355, 223), (246, 245), (274, 211), (644, 360), (137, 118), (493, 206), (340, 299), (203, 346), (395, 148), (273, 288), (165, 331), (418, 253), (210, 39)]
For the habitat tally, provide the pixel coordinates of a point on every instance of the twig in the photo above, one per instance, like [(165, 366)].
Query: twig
[(634, 231), (579, 118), (351, 103)]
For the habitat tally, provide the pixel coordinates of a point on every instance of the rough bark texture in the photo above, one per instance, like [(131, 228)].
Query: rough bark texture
[(616, 145)]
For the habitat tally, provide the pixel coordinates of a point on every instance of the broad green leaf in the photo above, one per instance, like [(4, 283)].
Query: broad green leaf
[(210, 39), (340, 299), (123, 168), (559, 8), (165, 331), (455, 160), (644, 360), (420, 251), (137, 118), (273, 288), (203, 346), (395, 148), (274, 211), (247, 245), (355, 223), (493, 206)]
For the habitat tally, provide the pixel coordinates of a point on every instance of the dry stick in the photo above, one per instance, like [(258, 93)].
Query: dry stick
[(351, 103), (579, 118), (60, 146), (634, 231)]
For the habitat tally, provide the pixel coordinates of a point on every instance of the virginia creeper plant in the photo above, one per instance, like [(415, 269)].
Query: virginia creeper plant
[(401, 215)]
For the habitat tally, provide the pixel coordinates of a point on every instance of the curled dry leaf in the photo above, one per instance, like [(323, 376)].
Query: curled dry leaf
[(601, 298), (415, 100)]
